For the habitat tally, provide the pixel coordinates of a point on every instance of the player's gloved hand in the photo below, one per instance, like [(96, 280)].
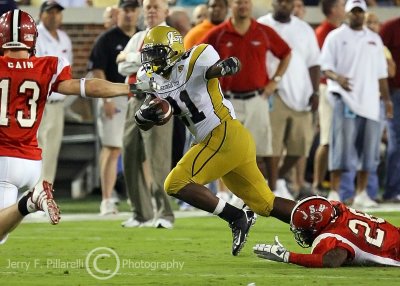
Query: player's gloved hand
[(229, 66), (144, 87), (148, 112), (276, 252)]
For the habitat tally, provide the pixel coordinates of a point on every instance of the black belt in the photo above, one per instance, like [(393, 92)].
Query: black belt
[(54, 101), (242, 95)]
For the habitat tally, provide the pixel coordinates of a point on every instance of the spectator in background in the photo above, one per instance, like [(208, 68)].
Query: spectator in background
[(110, 16), (179, 18), (347, 180), (298, 172), (390, 32), (248, 90), (296, 96), (146, 154), (299, 10), (372, 22), (111, 112), (75, 3), (357, 78), (52, 41), (334, 17), (200, 13), (216, 14)]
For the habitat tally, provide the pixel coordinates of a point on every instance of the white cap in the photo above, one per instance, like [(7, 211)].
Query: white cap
[(350, 4)]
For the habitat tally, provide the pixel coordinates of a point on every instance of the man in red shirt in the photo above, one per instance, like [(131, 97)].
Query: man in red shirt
[(335, 15), (242, 37), (338, 236), (26, 82), (390, 31)]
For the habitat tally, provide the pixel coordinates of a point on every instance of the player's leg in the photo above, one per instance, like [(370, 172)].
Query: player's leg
[(203, 163), (10, 217), (247, 182), (13, 178)]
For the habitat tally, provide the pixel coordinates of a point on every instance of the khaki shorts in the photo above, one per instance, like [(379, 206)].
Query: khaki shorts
[(111, 130), (325, 115), (291, 130), (253, 113)]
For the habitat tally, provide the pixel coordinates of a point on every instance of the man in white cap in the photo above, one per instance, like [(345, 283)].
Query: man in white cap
[(353, 61)]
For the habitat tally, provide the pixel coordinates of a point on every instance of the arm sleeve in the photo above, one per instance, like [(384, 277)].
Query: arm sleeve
[(382, 61), (206, 59), (306, 260), (327, 59), (63, 73), (99, 57), (320, 248), (313, 47)]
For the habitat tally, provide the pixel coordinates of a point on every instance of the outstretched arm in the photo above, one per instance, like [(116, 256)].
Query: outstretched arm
[(100, 88), (277, 252), (229, 66)]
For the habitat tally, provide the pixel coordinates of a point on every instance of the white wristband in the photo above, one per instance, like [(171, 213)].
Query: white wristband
[(82, 87)]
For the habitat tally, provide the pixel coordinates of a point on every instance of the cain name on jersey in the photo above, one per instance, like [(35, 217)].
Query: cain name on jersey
[(20, 65), (198, 102)]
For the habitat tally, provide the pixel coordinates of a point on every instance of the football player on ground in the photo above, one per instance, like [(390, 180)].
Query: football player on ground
[(339, 235), (224, 148), (25, 83)]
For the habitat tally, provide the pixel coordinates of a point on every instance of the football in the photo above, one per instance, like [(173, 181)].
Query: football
[(162, 107)]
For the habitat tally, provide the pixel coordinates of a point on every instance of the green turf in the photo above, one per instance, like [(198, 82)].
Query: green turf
[(91, 204), (198, 247)]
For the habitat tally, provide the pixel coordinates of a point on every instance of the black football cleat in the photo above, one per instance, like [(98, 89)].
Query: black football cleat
[(240, 230)]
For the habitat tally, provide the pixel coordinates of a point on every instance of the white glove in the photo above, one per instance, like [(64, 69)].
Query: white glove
[(276, 252), (144, 87)]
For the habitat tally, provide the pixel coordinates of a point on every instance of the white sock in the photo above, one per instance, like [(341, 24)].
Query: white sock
[(220, 207)]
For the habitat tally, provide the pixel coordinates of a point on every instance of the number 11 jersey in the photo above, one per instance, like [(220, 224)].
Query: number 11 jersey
[(198, 102)]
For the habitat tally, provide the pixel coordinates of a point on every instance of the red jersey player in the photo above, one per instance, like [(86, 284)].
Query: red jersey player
[(25, 83), (339, 235)]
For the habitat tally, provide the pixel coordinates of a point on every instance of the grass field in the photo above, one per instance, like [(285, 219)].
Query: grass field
[(195, 252)]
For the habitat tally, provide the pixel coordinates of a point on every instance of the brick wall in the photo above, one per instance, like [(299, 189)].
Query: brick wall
[(82, 37)]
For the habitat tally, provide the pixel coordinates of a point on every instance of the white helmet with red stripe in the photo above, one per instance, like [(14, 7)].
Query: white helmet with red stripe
[(17, 31)]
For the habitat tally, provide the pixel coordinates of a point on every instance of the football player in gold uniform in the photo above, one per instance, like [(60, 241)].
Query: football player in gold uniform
[(224, 147)]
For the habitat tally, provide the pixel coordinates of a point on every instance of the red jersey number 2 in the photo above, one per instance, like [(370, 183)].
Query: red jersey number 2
[(28, 88), (372, 233)]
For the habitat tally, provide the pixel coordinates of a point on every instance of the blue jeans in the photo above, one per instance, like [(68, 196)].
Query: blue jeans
[(392, 188), (347, 185), (354, 141), (347, 180)]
